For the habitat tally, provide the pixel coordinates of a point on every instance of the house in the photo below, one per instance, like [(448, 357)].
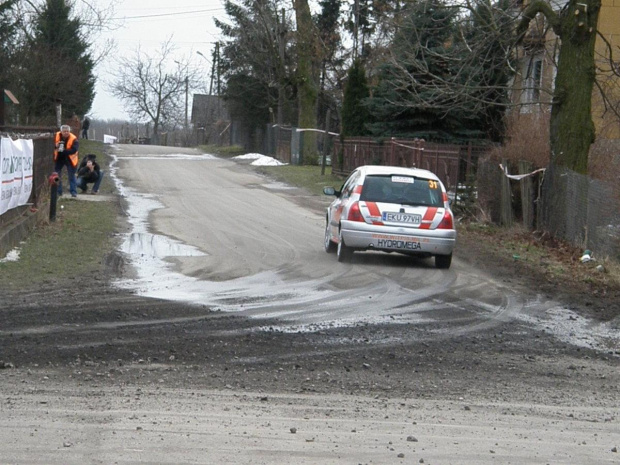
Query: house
[(533, 84)]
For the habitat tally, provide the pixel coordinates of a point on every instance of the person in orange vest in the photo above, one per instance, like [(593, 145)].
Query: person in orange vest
[(66, 154)]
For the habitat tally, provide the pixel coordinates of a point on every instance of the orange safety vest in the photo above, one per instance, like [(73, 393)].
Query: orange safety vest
[(73, 158)]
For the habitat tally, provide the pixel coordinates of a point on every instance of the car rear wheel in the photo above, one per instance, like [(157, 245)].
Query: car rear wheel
[(330, 246), (443, 261), (344, 252)]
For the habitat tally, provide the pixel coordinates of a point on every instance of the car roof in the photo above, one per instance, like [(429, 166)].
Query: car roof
[(398, 170)]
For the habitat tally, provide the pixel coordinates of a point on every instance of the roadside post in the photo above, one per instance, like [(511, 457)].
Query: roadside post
[(54, 180)]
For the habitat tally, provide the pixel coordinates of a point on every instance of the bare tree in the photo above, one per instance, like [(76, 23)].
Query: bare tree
[(95, 17), (469, 64), (572, 129), (154, 88), (309, 57)]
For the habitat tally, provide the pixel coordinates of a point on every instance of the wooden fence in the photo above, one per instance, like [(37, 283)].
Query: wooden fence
[(43, 148), (451, 163)]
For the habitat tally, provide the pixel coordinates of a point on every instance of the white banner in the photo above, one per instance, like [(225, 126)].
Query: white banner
[(16, 161)]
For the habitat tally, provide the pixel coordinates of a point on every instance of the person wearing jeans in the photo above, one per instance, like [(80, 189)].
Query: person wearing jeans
[(66, 154), (89, 172)]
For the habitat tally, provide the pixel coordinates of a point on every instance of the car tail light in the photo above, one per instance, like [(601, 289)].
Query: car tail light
[(447, 222), (354, 213)]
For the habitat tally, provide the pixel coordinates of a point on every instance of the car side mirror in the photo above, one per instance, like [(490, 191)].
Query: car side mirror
[(329, 190)]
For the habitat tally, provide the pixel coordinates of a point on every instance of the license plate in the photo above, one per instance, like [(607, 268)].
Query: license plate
[(409, 218)]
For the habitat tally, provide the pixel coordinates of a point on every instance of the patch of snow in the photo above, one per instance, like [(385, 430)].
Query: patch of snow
[(249, 156), (12, 256), (267, 161), (260, 160)]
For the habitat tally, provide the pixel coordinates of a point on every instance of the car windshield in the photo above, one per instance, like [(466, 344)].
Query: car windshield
[(404, 190)]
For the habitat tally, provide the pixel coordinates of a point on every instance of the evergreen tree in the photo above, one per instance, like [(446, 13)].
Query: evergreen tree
[(405, 102), (355, 115), (243, 106), (488, 75), (256, 51), (8, 30), (58, 65)]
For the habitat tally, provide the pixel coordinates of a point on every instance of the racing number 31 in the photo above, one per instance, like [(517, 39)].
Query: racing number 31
[(432, 184)]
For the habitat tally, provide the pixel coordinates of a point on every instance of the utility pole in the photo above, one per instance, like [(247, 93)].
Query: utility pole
[(215, 68), (186, 96)]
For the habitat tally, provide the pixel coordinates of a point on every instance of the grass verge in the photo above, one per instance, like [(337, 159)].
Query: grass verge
[(516, 251), (306, 176), (227, 151), (76, 244)]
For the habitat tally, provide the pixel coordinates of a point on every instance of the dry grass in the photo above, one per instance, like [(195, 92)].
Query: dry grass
[(604, 160), (527, 139), (548, 262)]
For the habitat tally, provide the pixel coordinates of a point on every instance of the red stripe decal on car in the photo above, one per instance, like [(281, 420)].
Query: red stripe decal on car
[(373, 209), (428, 218)]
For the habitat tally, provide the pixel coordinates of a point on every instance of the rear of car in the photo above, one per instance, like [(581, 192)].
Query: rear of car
[(391, 209)]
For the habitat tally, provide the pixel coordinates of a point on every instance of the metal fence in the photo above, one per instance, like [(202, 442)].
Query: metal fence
[(581, 210)]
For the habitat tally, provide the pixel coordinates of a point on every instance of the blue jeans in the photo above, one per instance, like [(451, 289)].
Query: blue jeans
[(70, 174), (83, 184)]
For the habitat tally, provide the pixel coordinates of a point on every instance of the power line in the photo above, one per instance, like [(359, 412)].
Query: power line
[(172, 14)]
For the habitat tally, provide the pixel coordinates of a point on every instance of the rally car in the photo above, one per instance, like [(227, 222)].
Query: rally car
[(391, 209)]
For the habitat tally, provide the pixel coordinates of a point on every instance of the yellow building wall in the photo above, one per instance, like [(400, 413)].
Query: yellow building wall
[(606, 122)]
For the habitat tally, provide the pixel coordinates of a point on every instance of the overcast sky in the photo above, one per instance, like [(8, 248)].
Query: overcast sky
[(149, 23)]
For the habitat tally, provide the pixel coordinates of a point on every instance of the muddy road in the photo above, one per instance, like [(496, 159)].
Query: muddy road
[(229, 336)]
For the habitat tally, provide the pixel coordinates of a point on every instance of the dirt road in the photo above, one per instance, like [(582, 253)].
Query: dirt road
[(231, 337)]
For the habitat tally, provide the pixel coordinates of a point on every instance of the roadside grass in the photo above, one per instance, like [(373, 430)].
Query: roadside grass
[(75, 245), (557, 260), (306, 176), (228, 151), (82, 236), (532, 253)]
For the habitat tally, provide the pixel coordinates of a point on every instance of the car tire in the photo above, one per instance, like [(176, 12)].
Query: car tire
[(330, 246), (443, 261), (344, 252)]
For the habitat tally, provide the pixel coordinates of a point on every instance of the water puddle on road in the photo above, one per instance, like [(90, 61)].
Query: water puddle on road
[(310, 305), (147, 253)]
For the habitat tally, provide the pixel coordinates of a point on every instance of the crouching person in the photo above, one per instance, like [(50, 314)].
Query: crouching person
[(89, 172)]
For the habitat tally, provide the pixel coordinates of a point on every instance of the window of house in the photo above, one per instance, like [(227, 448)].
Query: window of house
[(536, 80), (532, 80)]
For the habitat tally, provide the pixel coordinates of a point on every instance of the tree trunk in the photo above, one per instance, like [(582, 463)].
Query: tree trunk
[(572, 129), (307, 76)]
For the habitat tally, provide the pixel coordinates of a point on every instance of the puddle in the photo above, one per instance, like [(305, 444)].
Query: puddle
[(311, 305), (146, 253)]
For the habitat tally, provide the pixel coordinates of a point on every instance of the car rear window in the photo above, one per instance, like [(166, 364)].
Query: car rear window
[(405, 190)]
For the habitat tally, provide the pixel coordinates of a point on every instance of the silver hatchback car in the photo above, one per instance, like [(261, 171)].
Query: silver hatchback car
[(391, 209)]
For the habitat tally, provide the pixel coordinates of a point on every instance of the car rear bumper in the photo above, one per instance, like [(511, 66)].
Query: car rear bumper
[(396, 239)]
